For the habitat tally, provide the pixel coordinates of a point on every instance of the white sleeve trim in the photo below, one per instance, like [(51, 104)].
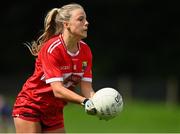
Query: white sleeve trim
[(54, 79), (87, 79)]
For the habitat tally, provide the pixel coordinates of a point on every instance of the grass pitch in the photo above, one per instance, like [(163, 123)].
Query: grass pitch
[(137, 117)]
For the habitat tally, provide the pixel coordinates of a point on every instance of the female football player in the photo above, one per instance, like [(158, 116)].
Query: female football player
[(63, 61)]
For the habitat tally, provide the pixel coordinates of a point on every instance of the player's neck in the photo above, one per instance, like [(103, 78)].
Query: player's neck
[(70, 43)]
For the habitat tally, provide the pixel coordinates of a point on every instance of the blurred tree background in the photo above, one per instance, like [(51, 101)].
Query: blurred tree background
[(135, 45), (136, 41)]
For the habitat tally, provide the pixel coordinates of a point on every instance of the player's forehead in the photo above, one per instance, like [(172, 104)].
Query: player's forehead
[(76, 13)]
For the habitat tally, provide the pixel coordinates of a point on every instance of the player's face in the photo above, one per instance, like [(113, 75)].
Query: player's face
[(78, 24)]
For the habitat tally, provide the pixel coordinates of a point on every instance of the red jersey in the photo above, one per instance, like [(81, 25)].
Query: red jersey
[(36, 101), (56, 63)]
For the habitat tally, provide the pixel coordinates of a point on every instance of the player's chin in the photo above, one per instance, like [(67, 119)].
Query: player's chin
[(84, 35)]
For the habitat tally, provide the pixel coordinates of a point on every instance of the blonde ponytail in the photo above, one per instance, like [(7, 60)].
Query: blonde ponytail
[(53, 25)]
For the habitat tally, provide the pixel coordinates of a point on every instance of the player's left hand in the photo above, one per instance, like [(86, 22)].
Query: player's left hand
[(89, 107)]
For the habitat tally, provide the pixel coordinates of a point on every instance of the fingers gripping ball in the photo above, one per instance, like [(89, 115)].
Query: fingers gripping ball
[(108, 103), (89, 107)]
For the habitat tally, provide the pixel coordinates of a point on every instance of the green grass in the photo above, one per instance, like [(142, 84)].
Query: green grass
[(136, 117)]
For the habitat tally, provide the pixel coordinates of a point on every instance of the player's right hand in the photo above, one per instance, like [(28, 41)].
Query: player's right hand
[(89, 107)]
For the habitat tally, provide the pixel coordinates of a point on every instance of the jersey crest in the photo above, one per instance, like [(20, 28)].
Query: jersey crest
[(84, 65)]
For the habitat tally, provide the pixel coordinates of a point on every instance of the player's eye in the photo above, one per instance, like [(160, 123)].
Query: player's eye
[(81, 18)]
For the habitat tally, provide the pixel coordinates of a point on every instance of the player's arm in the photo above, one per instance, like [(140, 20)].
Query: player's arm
[(63, 93), (86, 89)]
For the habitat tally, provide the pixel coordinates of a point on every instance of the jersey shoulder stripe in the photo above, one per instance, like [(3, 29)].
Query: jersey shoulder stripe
[(53, 45)]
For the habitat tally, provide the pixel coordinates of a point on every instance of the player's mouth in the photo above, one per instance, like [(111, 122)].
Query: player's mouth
[(86, 29)]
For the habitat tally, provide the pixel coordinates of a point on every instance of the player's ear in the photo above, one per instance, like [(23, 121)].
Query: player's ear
[(66, 25)]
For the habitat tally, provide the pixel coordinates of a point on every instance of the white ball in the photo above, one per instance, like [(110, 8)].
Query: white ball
[(108, 103)]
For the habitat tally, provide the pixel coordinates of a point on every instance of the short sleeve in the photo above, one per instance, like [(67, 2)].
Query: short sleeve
[(51, 66), (88, 67)]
